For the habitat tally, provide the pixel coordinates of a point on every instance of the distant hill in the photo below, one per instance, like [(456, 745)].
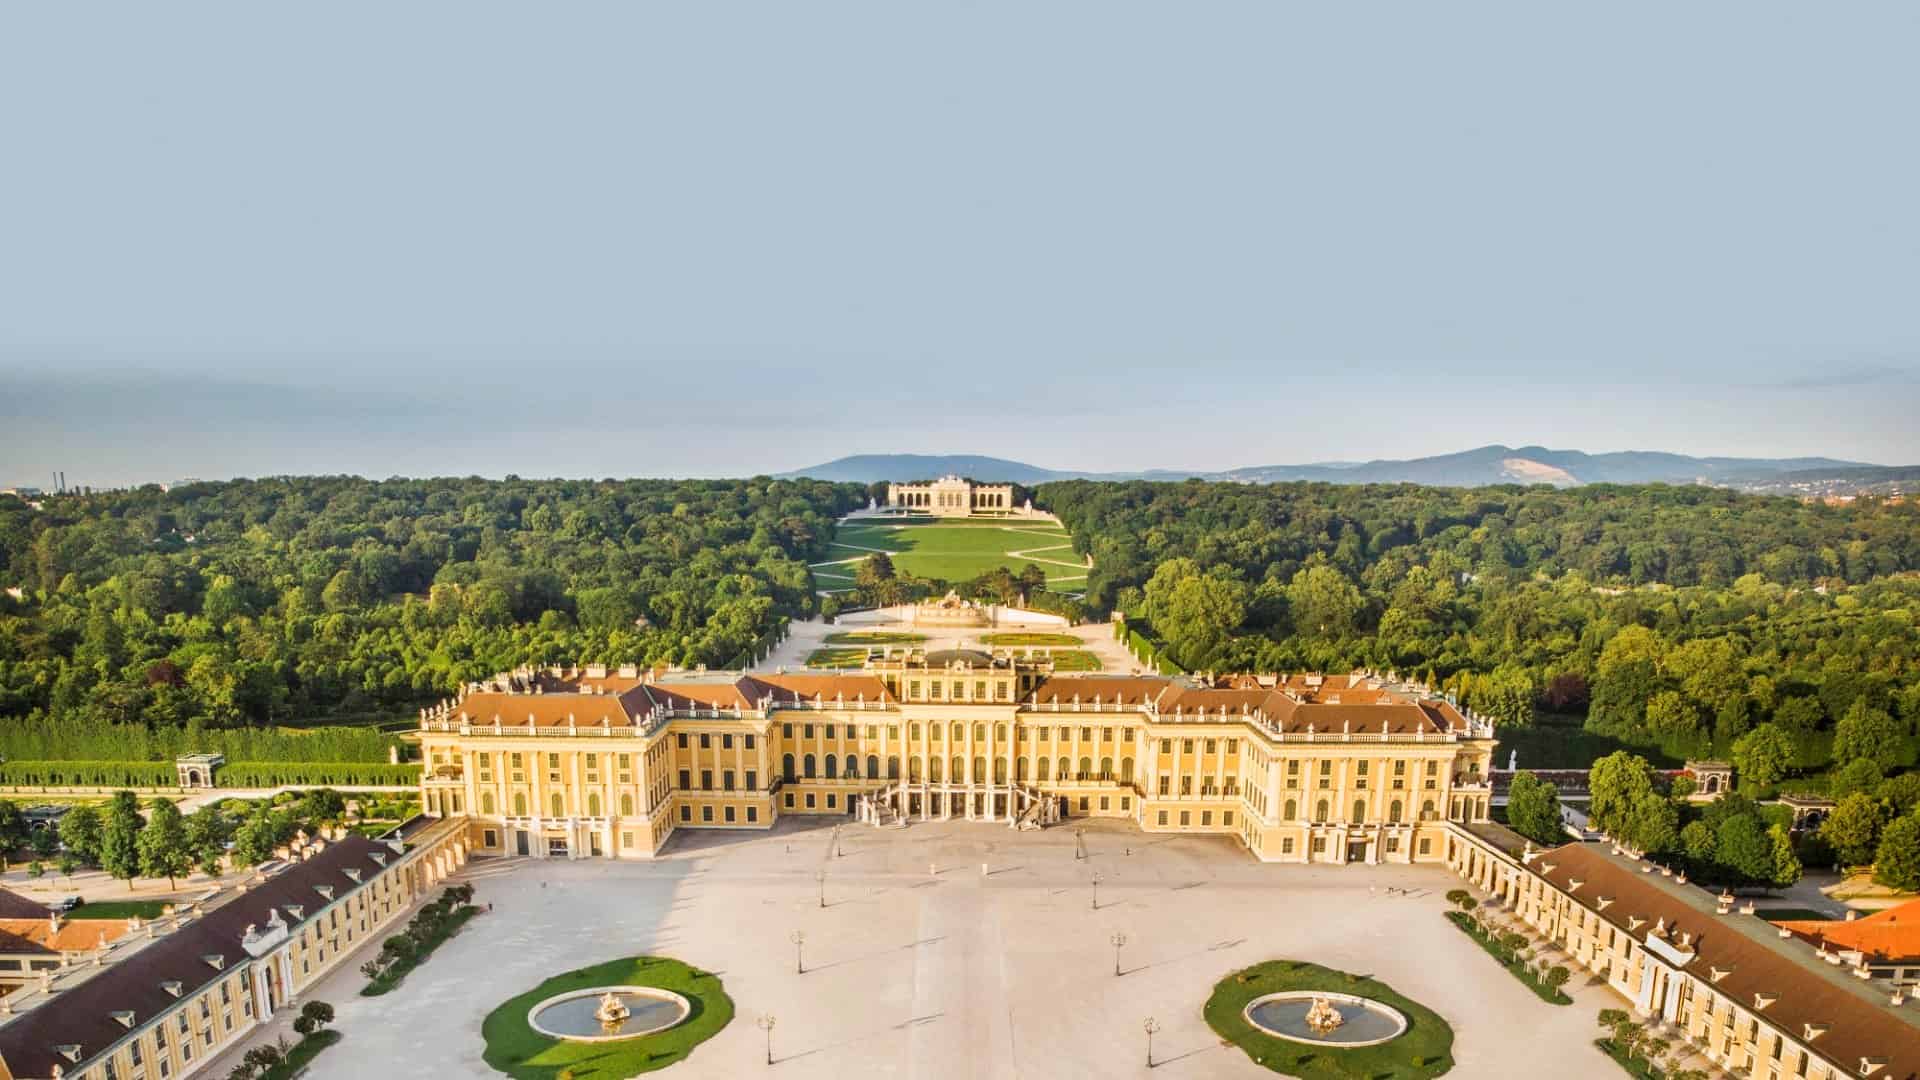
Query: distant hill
[(1469, 468)]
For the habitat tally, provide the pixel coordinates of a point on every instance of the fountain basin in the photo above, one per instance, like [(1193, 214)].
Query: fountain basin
[(1365, 1022), (571, 1015)]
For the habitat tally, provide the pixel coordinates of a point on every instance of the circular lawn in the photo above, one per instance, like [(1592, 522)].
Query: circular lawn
[(515, 1048), (1425, 1049)]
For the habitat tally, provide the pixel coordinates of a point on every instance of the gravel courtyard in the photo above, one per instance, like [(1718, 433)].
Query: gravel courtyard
[(956, 972)]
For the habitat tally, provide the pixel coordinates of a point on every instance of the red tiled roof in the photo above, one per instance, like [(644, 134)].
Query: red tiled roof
[(1887, 936)]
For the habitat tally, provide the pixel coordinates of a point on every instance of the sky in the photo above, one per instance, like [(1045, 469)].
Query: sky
[(727, 238)]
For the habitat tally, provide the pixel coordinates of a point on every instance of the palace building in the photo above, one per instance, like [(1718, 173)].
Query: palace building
[(951, 496), (160, 998), (571, 762)]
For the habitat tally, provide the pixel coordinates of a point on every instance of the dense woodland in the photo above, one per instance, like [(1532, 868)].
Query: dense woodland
[(305, 600), (1656, 623)]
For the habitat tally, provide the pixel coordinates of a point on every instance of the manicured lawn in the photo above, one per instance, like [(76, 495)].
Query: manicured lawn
[(1635, 1068), (1424, 1049), (1016, 639), (516, 1049), (302, 1052), (1794, 914), (119, 909), (1075, 660), (956, 552), (1516, 968), (874, 637), (838, 658)]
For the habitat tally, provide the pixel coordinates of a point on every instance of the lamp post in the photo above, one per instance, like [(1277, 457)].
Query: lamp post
[(766, 1024), (1119, 939), (1096, 892), (799, 939), (1079, 845), (1151, 1026), (820, 876)]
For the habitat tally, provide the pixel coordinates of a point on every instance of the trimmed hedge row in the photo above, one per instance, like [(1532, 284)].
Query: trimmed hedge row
[(90, 773), (243, 774)]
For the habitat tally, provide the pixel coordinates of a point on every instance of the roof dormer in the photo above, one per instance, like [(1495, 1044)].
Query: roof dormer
[(172, 987), (215, 961), (123, 1017)]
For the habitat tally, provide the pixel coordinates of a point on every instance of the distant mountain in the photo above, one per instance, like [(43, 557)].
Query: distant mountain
[(1469, 468)]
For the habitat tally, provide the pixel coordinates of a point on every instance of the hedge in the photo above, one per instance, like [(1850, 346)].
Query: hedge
[(244, 774), (258, 774), (89, 774)]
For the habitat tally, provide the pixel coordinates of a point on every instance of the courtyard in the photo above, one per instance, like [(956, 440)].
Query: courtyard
[(956, 949), (953, 551)]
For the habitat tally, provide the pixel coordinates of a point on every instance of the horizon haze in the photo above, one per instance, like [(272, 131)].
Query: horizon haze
[(697, 241)]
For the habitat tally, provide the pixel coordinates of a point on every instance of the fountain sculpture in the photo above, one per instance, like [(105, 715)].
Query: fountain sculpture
[(1323, 1017), (612, 1012)]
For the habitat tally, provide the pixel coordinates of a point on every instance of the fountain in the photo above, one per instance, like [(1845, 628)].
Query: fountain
[(604, 1013), (1323, 1017), (612, 1012)]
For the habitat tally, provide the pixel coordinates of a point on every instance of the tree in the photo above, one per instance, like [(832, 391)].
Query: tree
[(1618, 783), (255, 839), (119, 838), (1896, 863), (1741, 845), (1323, 602), (1197, 615), (1853, 829), (162, 845), (1786, 864), (207, 839), (1670, 713), (314, 1015), (81, 831), (1762, 755), (1860, 774), (1869, 733), (1533, 809)]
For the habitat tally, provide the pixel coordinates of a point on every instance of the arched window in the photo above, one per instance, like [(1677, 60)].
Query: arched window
[(1393, 812), (626, 805), (979, 733), (786, 768), (1426, 810), (1126, 770), (893, 768), (1359, 810), (1086, 768), (486, 802), (999, 733), (1320, 812), (833, 766), (559, 807), (933, 770), (913, 769), (1293, 810), (933, 732), (519, 804), (1020, 769), (873, 766), (807, 765), (1064, 771), (979, 775), (1045, 764), (959, 731), (959, 773), (999, 770), (1106, 768), (852, 769), (593, 804), (913, 731)]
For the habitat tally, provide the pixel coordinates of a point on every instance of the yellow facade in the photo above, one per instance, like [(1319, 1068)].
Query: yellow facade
[(957, 734)]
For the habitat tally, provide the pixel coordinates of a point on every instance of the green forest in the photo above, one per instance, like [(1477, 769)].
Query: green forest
[(138, 623)]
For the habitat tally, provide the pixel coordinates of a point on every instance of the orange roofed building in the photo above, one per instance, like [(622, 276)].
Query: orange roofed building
[(1887, 943)]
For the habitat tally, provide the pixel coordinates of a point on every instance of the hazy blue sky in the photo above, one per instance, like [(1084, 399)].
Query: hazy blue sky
[(720, 238)]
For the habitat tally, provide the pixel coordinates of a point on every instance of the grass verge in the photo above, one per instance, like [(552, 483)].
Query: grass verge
[(1067, 640), (392, 975), (1425, 1049), (301, 1052), (120, 909), (1636, 1067), (514, 1048), (1517, 968)]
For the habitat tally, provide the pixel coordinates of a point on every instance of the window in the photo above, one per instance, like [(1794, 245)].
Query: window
[(808, 766), (786, 768), (806, 731), (729, 815), (519, 804), (686, 813), (786, 731), (1426, 845), (1393, 812), (1166, 746), (559, 807), (833, 767), (1320, 812), (1359, 810), (626, 805), (706, 779), (593, 804), (726, 742), (489, 838), (1104, 802), (706, 813), (809, 800), (686, 780), (830, 801), (1206, 817), (1186, 746), (750, 742), (681, 740), (753, 779), (1226, 817), (753, 814), (1186, 818), (1210, 746), (1293, 810)]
